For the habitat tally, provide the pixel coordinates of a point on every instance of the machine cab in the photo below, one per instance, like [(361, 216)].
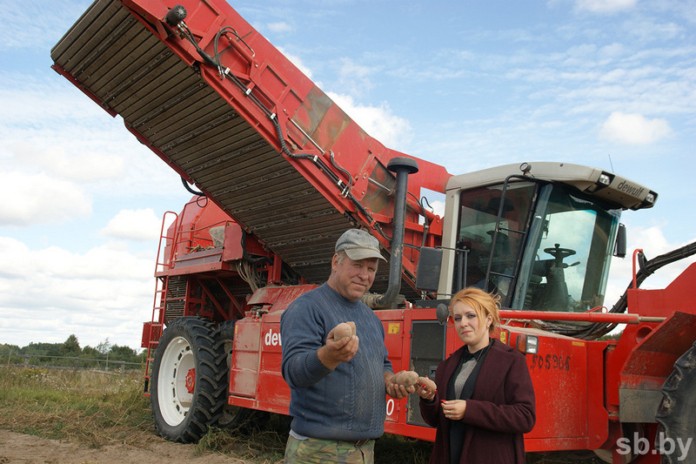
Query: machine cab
[(541, 235)]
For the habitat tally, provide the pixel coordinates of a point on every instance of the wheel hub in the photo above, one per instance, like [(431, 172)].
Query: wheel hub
[(191, 380)]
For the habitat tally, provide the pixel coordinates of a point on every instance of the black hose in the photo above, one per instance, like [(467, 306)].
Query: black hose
[(344, 188), (191, 190), (646, 269)]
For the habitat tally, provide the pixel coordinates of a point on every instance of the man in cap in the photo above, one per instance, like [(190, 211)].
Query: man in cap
[(337, 387)]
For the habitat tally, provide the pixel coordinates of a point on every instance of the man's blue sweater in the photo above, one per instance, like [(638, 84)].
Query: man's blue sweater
[(349, 402)]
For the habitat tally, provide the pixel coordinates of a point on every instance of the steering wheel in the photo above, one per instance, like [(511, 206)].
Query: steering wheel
[(559, 253)]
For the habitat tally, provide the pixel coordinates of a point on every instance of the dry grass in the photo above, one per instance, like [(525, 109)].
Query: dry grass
[(89, 407), (97, 408), (266, 443)]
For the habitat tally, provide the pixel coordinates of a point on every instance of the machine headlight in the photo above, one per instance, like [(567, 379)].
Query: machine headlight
[(528, 344)]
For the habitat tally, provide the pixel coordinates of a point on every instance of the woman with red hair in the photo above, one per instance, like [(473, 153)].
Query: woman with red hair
[(484, 400)]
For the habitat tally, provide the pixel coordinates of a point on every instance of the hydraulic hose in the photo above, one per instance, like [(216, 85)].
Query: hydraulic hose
[(176, 18), (190, 189), (647, 268)]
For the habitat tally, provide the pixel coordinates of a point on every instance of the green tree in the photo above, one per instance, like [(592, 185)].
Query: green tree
[(42, 349), (89, 352), (123, 353), (9, 354), (71, 347)]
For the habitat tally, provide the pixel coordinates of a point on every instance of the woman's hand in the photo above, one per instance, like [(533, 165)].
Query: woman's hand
[(426, 389), (454, 409)]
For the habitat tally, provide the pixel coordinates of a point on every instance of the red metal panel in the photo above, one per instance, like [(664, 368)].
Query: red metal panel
[(396, 337), (271, 346), (272, 391), (245, 357), (656, 349), (559, 375), (677, 296), (234, 242), (597, 414), (407, 430), (278, 298), (244, 376), (152, 331)]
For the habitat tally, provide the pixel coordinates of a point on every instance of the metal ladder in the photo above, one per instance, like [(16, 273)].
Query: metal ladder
[(155, 327)]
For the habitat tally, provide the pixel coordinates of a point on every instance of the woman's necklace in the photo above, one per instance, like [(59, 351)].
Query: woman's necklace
[(477, 355)]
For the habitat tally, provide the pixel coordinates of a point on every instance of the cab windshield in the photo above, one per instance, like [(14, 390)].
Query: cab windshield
[(539, 246)]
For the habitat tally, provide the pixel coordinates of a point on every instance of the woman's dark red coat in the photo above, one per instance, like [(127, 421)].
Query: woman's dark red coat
[(499, 411)]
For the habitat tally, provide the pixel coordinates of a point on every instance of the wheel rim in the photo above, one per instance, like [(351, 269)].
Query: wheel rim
[(174, 388)]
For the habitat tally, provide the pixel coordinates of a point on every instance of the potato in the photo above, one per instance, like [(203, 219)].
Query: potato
[(406, 378), (343, 330)]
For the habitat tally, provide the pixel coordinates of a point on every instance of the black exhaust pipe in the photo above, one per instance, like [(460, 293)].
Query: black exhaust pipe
[(403, 167)]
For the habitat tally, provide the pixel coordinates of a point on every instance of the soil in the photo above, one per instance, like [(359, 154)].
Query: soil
[(28, 449)]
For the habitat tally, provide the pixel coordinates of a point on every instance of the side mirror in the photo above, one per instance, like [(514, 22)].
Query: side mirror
[(442, 313), (428, 270), (620, 246)]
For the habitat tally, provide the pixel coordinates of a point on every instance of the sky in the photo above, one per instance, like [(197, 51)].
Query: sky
[(466, 84)]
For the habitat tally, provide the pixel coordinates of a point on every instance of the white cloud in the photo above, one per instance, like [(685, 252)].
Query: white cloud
[(605, 6), (651, 30), (105, 262), (354, 79), (297, 61), (438, 207), (13, 261), (633, 129), (140, 224), (84, 163), (50, 127), (611, 51), (279, 27), (34, 102), (391, 130), (40, 199), (50, 293), (34, 24)]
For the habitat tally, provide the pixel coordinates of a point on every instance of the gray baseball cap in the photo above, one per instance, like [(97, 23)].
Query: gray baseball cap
[(359, 244)]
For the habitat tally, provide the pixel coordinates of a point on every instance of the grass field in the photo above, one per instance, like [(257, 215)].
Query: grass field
[(97, 408), (89, 407)]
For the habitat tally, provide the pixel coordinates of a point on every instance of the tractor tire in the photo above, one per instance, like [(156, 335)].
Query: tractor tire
[(676, 411), (234, 418), (188, 390)]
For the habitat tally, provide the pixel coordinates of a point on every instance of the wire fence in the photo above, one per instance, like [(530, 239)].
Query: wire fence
[(71, 362)]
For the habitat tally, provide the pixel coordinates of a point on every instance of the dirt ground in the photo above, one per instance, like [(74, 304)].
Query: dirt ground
[(28, 449)]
